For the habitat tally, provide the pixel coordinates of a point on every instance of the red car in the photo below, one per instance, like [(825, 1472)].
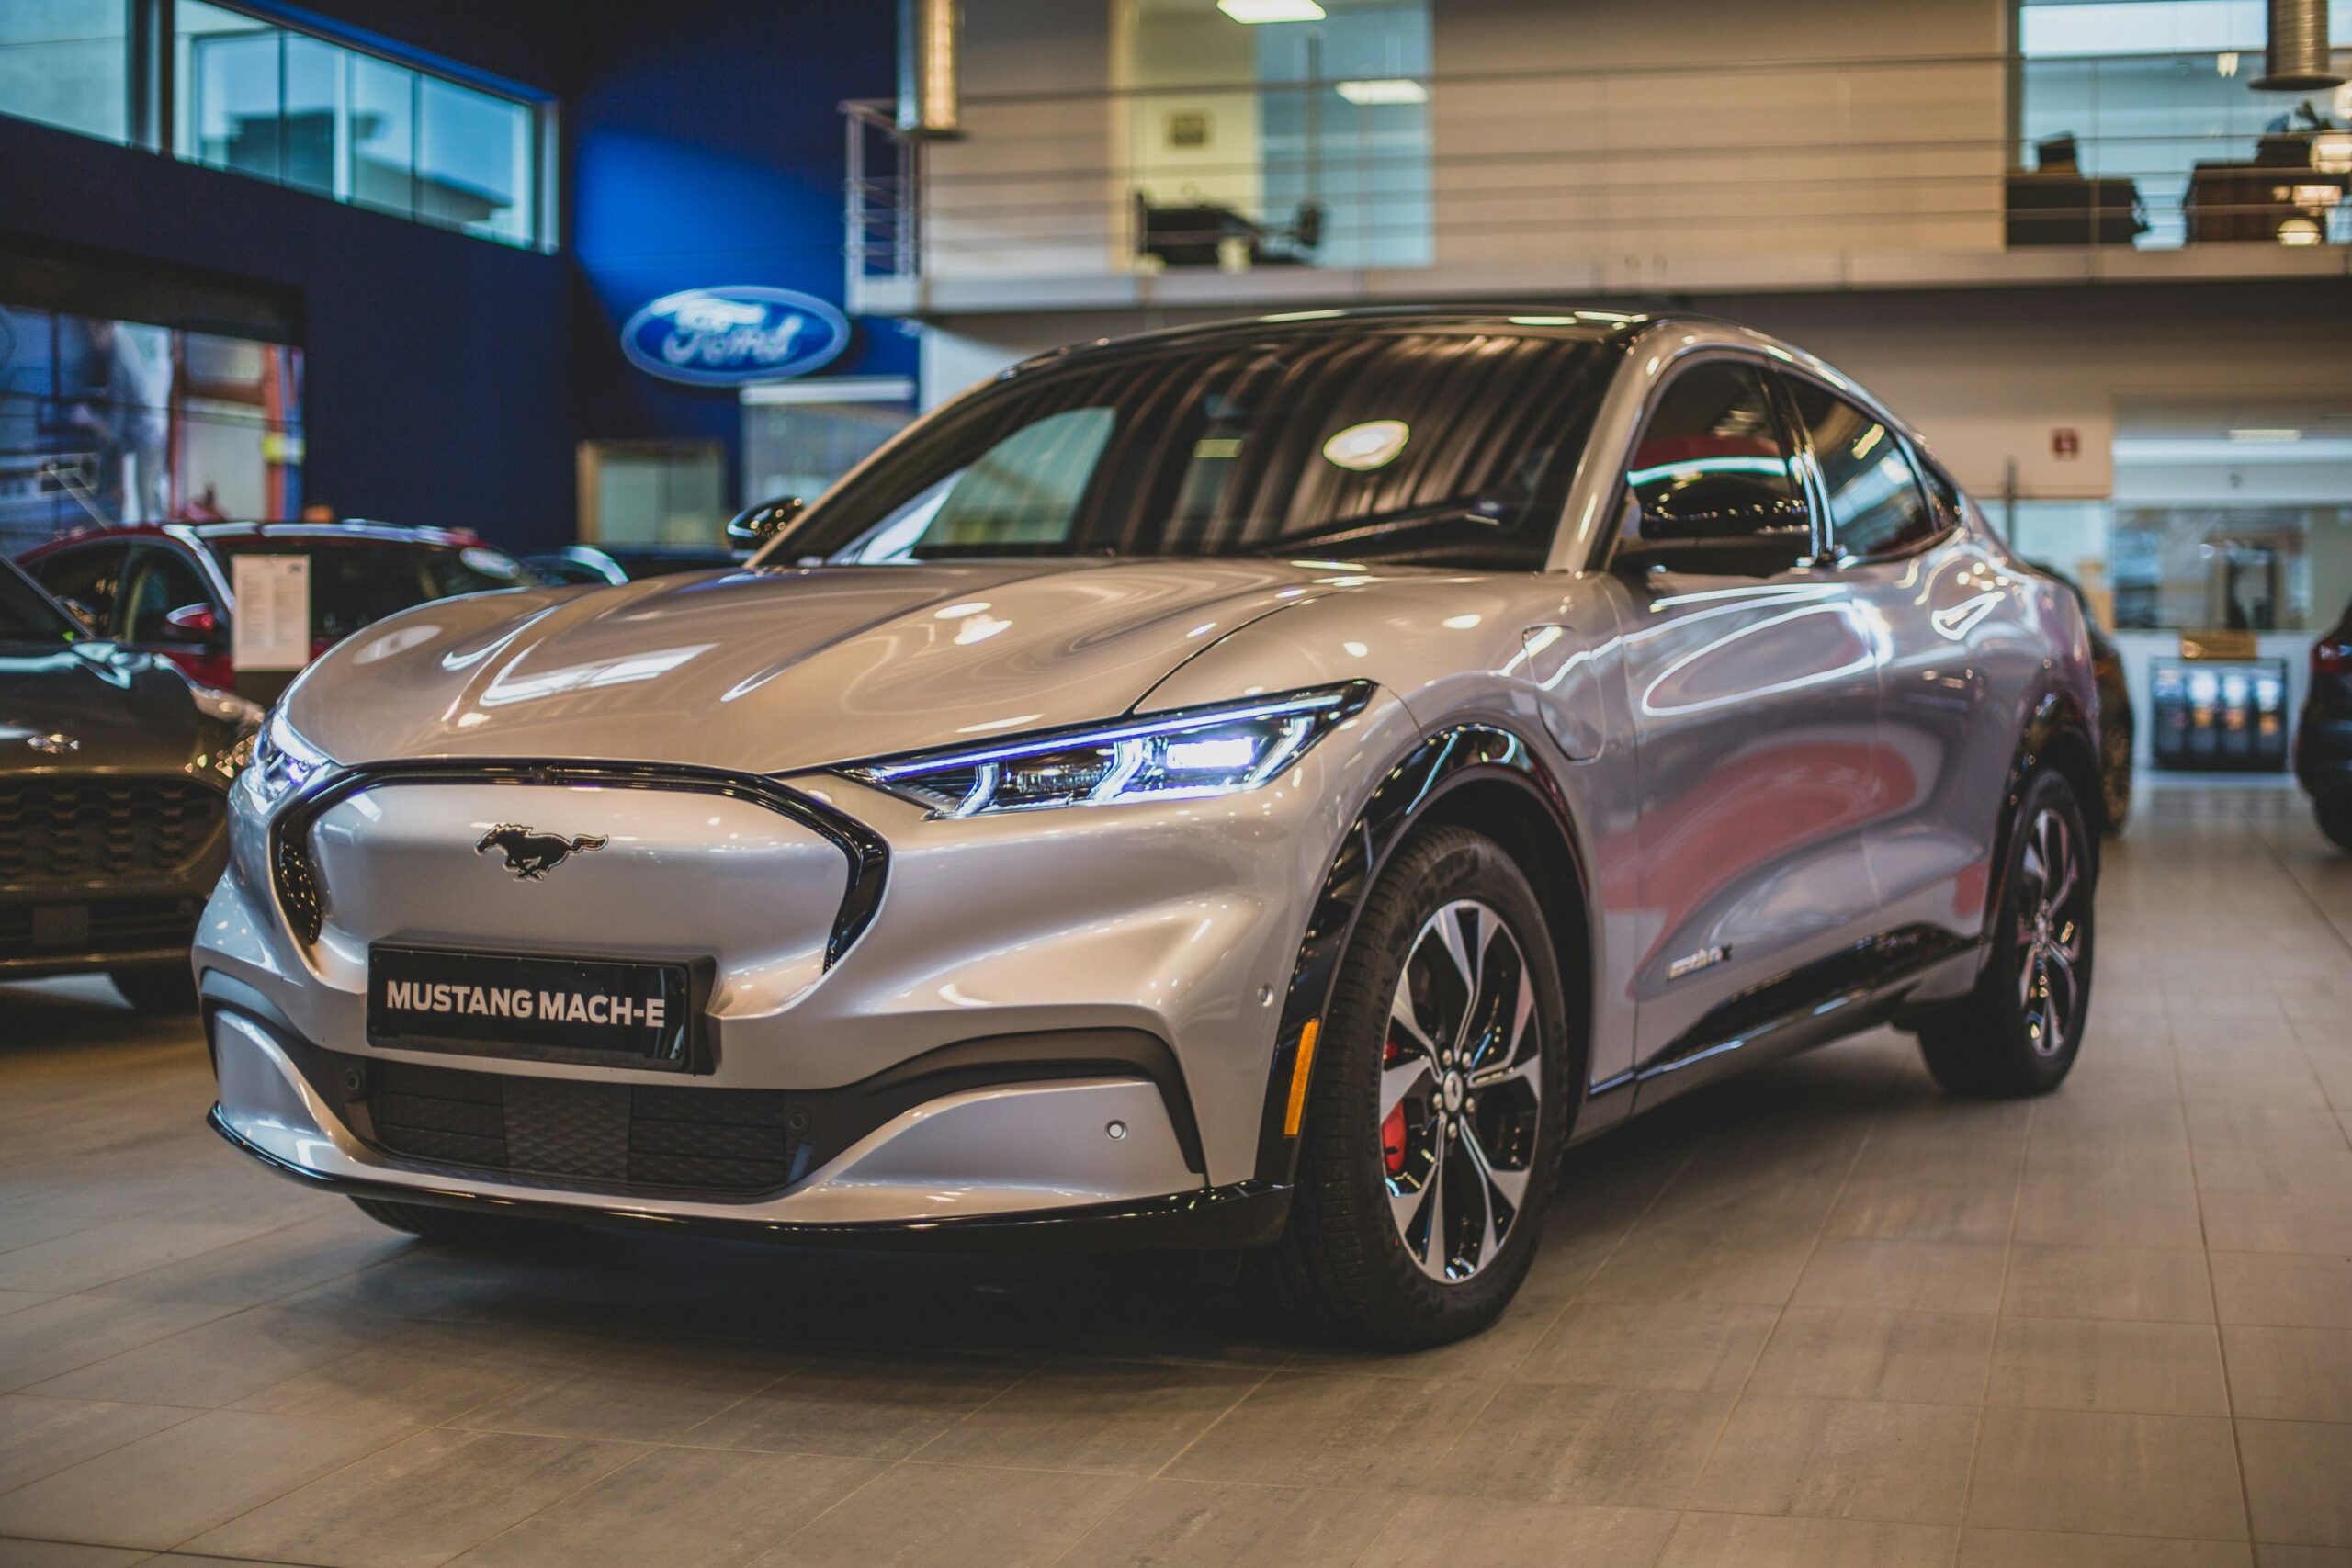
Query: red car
[(168, 588)]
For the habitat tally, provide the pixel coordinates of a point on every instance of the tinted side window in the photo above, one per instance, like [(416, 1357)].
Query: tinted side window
[(88, 576), (158, 581), (1875, 505), (1711, 463)]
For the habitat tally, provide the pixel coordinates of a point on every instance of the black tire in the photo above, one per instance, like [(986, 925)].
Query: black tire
[(1343, 1265), (2115, 777), (157, 989), (454, 1227), (2017, 1032), (2335, 814)]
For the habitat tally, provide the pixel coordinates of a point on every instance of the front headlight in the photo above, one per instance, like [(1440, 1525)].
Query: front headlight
[(1170, 756), (282, 763)]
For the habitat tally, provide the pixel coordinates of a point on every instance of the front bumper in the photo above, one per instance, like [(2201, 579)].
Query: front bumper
[(1000, 957)]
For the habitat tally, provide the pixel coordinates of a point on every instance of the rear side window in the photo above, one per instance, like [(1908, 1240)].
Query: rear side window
[(1876, 507), (1711, 463), (158, 581), (89, 576)]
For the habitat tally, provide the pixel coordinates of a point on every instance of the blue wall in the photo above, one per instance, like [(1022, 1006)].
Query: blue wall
[(451, 378), (708, 149)]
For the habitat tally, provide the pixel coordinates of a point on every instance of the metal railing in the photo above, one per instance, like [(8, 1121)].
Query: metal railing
[(1612, 169)]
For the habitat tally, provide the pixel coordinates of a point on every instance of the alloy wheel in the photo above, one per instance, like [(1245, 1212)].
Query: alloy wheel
[(1461, 1091), (2051, 932)]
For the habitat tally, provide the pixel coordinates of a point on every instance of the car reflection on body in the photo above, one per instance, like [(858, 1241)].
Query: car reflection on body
[(1270, 785)]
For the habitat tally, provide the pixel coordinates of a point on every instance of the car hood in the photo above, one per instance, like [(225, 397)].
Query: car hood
[(778, 669), (94, 706)]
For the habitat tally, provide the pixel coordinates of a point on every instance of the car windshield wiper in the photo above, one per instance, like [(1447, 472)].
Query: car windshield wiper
[(1487, 511)]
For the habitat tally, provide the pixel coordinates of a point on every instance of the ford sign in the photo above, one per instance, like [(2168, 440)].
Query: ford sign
[(730, 337)]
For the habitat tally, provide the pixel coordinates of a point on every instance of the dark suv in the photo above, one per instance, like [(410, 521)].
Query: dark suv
[(2323, 740)]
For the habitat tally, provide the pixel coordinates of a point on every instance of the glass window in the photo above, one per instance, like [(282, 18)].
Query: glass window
[(355, 582), (473, 162), (1711, 463), (1875, 507), (67, 64), (158, 581), (283, 105), (1423, 447), (88, 576), (26, 616)]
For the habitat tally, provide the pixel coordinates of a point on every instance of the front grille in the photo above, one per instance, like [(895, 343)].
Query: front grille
[(90, 828), (99, 927), (713, 1140)]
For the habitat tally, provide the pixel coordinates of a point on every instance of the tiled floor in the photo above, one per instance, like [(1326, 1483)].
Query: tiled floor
[(1821, 1316)]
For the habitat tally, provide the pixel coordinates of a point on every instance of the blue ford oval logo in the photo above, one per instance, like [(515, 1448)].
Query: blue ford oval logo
[(725, 337)]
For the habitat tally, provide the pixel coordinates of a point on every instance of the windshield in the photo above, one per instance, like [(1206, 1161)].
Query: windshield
[(26, 616), (355, 582), (1424, 446)]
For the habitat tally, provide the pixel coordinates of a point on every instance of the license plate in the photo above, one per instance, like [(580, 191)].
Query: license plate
[(518, 1005)]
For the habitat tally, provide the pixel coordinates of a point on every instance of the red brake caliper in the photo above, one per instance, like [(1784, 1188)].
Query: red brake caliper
[(1392, 1130)]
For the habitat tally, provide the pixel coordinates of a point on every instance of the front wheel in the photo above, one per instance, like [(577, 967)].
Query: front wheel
[(2018, 1031), (1437, 1105)]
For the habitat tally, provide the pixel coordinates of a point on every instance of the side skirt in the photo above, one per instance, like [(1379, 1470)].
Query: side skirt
[(1867, 983)]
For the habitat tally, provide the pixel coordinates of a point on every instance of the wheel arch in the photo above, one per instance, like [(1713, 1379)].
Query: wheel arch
[(1478, 775), (2058, 737)]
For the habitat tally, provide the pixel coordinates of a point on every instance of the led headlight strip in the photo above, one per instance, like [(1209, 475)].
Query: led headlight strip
[(1185, 754)]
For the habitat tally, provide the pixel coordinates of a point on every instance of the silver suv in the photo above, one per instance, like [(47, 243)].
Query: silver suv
[(1269, 786)]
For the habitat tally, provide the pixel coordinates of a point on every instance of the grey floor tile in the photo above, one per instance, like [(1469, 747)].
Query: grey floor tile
[(159, 1491), (1573, 1443), (2256, 1222), (66, 1332), (2133, 1283), (1750, 1540), (1840, 1459), (864, 1405), (647, 1396), (1623, 1343), (2295, 1481), (2282, 1172), (679, 1508), (2288, 1289), (429, 1374), (2101, 1473), (111, 1251), (1512, 1535), (2070, 1363), (217, 1363), (1346, 1431), (2289, 1375), (2045, 1549), (1648, 1268), (65, 1555), (1919, 1276), (40, 1437), (1223, 1524), (1903, 1209), (417, 1503), (2069, 1213), (1930, 1357), (929, 1516), (1116, 1417), (2220, 1126)]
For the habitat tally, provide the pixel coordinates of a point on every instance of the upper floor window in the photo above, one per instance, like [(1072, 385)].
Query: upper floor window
[(269, 100), (255, 95)]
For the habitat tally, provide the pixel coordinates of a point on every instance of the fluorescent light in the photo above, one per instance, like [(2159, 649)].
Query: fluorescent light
[(2264, 432), (1384, 90), (1256, 11)]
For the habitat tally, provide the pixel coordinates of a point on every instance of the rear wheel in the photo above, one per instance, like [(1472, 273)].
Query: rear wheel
[(1435, 1113), (2335, 814), (156, 989), (2018, 1031)]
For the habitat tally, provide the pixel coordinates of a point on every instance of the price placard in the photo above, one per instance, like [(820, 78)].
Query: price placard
[(271, 629)]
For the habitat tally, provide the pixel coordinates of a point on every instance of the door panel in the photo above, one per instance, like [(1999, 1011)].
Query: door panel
[(1752, 682)]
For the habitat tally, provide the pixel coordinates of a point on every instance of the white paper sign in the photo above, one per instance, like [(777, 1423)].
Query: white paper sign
[(271, 629)]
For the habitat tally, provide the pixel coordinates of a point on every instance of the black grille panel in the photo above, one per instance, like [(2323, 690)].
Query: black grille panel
[(649, 1135), (101, 925), (88, 829)]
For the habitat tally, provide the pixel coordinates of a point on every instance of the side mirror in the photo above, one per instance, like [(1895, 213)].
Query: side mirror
[(756, 526), (192, 624)]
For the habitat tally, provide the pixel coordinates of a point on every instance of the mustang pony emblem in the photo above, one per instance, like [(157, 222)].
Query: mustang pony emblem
[(531, 855)]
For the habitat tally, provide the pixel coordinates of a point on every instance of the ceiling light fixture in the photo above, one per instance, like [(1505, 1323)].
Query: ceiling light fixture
[(2266, 432), (1254, 12), (1384, 90)]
